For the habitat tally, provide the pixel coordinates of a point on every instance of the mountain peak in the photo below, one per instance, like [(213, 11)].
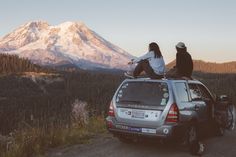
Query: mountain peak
[(70, 23), (70, 42), (73, 26), (36, 24), (40, 24)]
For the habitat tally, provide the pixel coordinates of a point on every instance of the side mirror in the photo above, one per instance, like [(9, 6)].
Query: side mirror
[(224, 98)]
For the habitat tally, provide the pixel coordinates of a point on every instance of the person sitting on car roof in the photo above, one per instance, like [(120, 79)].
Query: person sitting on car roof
[(152, 63), (184, 63)]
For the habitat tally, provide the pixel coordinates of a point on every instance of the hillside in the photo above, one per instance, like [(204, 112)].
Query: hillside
[(210, 67)]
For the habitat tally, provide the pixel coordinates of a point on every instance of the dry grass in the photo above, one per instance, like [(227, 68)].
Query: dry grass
[(36, 141)]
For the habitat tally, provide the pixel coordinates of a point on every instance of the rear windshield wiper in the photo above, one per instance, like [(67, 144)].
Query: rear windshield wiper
[(130, 101)]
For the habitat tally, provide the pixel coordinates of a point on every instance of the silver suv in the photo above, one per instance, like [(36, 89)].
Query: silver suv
[(166, 109)]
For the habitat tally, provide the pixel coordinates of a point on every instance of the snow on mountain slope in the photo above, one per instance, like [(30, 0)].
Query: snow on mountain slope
[(69, 42)]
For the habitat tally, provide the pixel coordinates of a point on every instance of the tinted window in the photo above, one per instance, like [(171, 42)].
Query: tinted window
[(182, 91), (195, 92), (144, 93), (205, 93)]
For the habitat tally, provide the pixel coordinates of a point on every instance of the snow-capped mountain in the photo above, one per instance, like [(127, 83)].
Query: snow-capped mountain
[(66, 43)]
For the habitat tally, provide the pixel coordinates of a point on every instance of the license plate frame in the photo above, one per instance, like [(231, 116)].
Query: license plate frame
[(148, 130), (136, 129), (138, 114)]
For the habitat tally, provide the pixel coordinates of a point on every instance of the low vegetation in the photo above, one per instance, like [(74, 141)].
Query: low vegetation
[(42, 108), (32, 141)]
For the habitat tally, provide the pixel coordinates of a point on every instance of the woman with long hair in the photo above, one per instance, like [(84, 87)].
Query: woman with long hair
[(152, 63)]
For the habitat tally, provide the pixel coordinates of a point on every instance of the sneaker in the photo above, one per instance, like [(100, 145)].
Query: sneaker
[(197, 148), (129, 74)]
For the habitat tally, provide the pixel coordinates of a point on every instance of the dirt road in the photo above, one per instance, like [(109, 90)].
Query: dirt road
[(107, 146)]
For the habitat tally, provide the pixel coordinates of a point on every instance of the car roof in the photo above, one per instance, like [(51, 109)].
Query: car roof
[(164, 80)]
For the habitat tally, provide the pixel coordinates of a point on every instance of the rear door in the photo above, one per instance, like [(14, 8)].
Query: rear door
[(200, 105), (141, 103), (183, 101), (208, 99)]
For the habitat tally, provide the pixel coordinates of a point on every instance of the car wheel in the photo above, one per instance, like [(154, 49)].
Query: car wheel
[(195, 147), (192, 134)]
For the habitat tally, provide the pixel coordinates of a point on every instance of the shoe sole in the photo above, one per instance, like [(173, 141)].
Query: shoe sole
[(129, 76)]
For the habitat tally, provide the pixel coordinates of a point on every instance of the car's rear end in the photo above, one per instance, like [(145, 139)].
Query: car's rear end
[(143, 108)]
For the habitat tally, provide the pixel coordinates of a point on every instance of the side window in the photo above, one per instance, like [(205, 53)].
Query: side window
[(195, 92), (205, 94), (182, 92)]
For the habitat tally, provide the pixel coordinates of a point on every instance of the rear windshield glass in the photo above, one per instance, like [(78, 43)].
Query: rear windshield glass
[(144, 93)]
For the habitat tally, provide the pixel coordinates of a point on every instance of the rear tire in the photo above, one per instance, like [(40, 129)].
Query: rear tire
[(195, 147), (192, 134)]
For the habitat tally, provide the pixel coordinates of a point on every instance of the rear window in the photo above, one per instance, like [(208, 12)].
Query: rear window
[(144, 93)]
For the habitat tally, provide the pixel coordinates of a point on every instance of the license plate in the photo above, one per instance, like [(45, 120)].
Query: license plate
[(150, 131), (138, 114)]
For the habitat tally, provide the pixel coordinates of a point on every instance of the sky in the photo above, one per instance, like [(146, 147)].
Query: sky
[(207, 27)]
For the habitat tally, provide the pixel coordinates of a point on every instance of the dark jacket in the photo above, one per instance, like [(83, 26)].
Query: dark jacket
[(184, 64)]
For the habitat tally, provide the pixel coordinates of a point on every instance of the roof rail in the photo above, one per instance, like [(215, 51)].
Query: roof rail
[(165, 78)]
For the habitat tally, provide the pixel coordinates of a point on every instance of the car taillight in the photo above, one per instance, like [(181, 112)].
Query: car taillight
[(109, 124), (111, 110), (173, 114)]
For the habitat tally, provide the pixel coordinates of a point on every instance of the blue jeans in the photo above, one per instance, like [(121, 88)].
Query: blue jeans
[(144, 65)]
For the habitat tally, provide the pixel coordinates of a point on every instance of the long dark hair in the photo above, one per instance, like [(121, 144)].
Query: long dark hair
[(155, 48)]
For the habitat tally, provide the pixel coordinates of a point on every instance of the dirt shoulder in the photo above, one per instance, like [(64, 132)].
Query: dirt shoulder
[(106, 145)]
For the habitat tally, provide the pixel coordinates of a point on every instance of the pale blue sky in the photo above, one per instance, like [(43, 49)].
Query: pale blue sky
[(208, 27)]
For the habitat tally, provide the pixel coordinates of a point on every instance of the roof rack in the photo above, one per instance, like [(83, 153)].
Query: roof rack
[(181, 78), (164, 78)]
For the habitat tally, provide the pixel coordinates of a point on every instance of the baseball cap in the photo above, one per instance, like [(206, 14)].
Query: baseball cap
[(181, 45)]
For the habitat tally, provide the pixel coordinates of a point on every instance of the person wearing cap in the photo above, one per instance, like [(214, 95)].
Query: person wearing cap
[(184, 63)]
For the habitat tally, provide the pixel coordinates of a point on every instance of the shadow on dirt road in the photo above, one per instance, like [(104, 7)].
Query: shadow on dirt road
[(108, 146)]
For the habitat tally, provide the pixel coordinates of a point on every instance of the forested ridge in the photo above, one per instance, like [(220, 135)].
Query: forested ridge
[(14, 64), (210, 67), (48, 99)]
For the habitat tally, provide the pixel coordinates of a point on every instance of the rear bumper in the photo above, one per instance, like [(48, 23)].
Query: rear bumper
[(166, 131)]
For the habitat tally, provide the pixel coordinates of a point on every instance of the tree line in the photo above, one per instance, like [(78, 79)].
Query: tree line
[(14, 64)]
